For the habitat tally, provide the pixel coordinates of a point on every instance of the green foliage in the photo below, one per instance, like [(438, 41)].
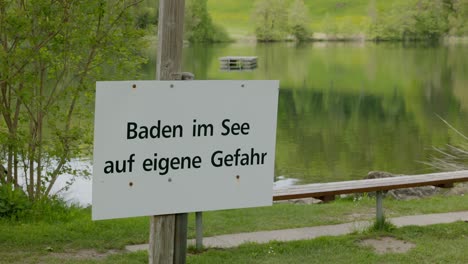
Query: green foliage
[(234, 15), (381, 225), (431, 19), (146, 17), (355, 17), (412, 20), (52, 210), (298, 20), (146, 14), (220, 34), (198, 24), (51, 54), (458, 17), (329, 25), (271, 20), (14, 203)]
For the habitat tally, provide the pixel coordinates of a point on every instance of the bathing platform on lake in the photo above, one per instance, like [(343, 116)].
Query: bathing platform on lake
[(238, 63)]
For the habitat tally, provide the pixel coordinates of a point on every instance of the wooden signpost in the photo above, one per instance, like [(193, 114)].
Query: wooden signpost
[(166, 230)]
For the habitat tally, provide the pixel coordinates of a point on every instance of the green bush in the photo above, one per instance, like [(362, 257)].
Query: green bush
[(15, 205), (271, 20), (412, 20), (52, 209), (457, 19), (199, 26), (298, 21), (14, 202), (220, 34), (300, 32)]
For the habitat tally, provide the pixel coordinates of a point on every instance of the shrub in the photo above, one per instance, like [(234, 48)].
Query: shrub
[(298, 20), (271, 20), (52, 209), (421, 20), (199, 26), (14, 203)]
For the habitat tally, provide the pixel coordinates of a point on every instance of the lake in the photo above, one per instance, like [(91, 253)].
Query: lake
[(349, 108)]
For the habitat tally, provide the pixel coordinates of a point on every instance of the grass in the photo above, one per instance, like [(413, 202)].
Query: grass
[(445, 243), (282, 216), (77, 233), (234, 16), (28, 241), (434, 244), (345, 15), (381, 225)]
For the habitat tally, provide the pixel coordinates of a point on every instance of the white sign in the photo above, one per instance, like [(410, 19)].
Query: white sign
[(165, 147)]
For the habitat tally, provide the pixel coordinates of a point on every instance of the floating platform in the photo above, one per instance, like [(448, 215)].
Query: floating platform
[(238, 63)]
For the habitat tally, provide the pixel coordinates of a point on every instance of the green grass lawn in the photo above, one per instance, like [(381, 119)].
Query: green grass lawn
[(444, 243), (346, 15), (433, 244), (234, 16), (29, 241)]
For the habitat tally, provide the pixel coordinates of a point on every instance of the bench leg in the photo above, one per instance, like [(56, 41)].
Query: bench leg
[(327, 198), (198, 231), (379, 213), (445, 185)]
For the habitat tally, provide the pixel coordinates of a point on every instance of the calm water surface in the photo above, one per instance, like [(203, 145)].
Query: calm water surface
[(348, 108)]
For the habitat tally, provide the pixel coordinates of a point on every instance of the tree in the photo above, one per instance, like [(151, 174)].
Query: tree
[(430, 19), (146, 13), (270, 19), (199, 26), (458, 17), (298, 20), (51, 54), (412, 20)]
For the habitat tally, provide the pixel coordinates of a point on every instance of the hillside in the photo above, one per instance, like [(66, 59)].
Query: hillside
[(349, 16)]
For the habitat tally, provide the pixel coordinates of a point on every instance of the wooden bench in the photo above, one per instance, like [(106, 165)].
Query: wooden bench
[(327, 191)]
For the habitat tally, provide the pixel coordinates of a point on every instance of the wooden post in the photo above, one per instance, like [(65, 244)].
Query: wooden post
[(170, 38), (161, 246), (169, 61), (198, 231), (379, 209), (180, 240)]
